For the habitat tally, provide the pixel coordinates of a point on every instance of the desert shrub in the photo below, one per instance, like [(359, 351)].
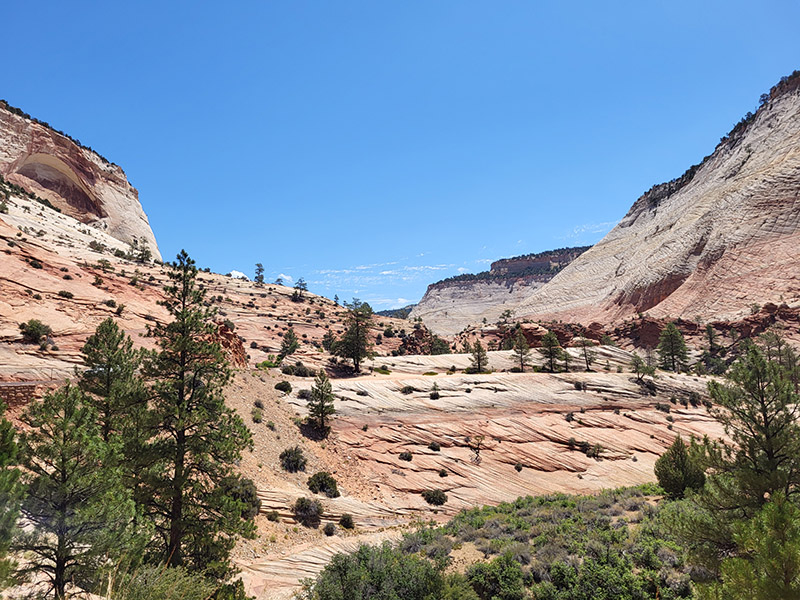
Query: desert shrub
[(518, 467), (500, 579), (662, 407), (434, 446), (382, 371), (379, 573), (34, 331), (407, 389), (678, 470), (66, 294), (111, 303), (323, 483), (243, 490), (271, 425), (329, 529), (35, 263), (284, 386), (293, 460), (362, 393), (254, 345), (256, 415), (346, 521), (154, 582), (273, 516), (298, 370), (308, 512), (304, 394), (442, 472), (258, 404), (406, 456), (434, 497)]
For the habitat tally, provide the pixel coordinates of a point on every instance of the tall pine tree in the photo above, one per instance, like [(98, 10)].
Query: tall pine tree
[(197, 439), (109, 377), (354, 343), (320, 404), (672, 349), (81, 515)]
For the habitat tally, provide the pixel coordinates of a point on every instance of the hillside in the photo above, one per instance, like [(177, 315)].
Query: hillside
[(710, 244), (450, 305), (76, 179)]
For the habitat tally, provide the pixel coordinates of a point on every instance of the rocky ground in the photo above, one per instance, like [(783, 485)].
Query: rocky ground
[(542, 422)]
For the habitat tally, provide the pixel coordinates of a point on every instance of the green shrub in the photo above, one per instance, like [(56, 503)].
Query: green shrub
[(308, 512), (329, 529), (273, 516), (434, 497), (434, 446), (500, 579), (304, 394), (406, 456), (293, 459), (243, 490), (346, 521), (66, 294), (442, 472), (378, 573), (407, 389), (256, 415), (34, 331), (323, 483), (284, 386)]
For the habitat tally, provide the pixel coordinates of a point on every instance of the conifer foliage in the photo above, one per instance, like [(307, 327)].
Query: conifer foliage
[(197, 438)]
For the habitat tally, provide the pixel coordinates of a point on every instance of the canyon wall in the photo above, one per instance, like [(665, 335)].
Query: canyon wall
[(75, 179)]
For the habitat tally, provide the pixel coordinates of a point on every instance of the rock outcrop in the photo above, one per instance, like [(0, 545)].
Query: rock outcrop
[(75, 179), (716, 241), (711, 244), (450, 305)]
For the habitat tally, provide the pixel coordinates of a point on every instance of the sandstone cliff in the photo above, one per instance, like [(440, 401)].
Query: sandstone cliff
[(75, 179), (450, 305), (724, 236)]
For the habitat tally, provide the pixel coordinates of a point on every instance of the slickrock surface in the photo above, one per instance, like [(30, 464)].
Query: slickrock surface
[(32, 234), (75, 179), (543, 422), (450, 305), (709, 244)]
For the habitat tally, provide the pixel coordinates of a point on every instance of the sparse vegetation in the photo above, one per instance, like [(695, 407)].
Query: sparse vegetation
[(293, 460), (323, 483)]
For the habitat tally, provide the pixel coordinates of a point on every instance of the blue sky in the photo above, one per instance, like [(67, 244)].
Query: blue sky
[(375, 147)]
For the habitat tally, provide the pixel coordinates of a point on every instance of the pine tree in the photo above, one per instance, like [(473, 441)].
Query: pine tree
[(767, 565), (197, 439), (80, 513), (480, 360), (640, 367), (678, 470), (588, 355), (259, 278), (354, 343), (522, 351), (551, 350), (289, 344), (109, 378), (672, 349), (320, 404), (758, 408), (10, 496)]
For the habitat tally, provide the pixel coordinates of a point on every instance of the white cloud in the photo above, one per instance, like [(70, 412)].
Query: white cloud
[(285, 277)]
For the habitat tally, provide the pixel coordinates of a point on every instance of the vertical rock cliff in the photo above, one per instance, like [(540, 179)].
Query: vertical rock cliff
[(75, 179)]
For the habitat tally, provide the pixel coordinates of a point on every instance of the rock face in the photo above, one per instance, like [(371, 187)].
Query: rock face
[(73, 178), (724, 236), (450, 305)]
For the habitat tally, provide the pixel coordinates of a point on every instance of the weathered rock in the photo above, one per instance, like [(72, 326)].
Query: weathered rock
[(73, 178)]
